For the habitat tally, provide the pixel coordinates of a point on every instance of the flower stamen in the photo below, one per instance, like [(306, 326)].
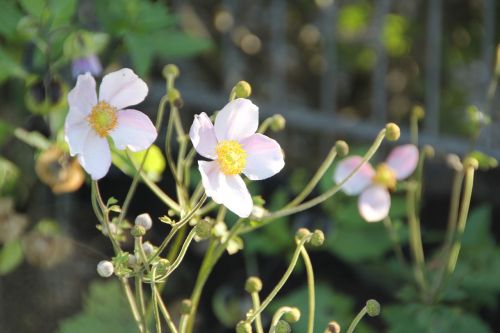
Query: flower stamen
[(385, 176), (231, 156), (103, 118)]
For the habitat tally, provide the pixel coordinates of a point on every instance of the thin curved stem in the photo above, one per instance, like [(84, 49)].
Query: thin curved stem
[(255, 305), (310, 287), (356, 320)]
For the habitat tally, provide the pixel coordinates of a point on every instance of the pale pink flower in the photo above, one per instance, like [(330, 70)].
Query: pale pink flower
[(91, 120), (235, 148), (373, 185)]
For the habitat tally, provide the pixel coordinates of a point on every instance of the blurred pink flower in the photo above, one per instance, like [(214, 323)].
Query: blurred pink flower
[(373, 185), (90, 120), (234, 148)]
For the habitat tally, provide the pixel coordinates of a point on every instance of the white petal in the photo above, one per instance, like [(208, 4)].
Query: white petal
[(82, 97), (122, 88), (237, 120), (96, 156), (75, 134), (359, 181), (133, 130), (403, 160), (202, 136), (229, 191), (374, 203), (265, 158)]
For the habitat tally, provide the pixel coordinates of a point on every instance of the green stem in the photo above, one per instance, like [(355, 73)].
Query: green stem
[(255, 305), (396, 244), (96, 197), (139, 298), (154, 301), (356, 320), (277, 316), (165, 313), (310, 286), (265, 125), (133, 306)]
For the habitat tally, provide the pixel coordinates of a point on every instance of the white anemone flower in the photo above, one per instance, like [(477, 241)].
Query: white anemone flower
[(234, 148), (373, 185), (91, 120)]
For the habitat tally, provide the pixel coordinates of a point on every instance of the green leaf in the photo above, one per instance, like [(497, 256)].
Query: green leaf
[(174, 44), (62, 11), (9, 18), (141, 51), (104, 310), (10, 67), (11, 256), (34, 7), (9, 175)]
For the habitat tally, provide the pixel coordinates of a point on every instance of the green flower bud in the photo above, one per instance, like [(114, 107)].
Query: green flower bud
[(372, 308), (105, 268), (292, 315), (342, 148), (392, 132), (429, 151), (174, 97), (170, 70), (253, 285), (242, 89), (278, 123), (186, 306), (162, 266), (203, 228), (418, 112), (333, 327), (471, 162), (318, 237), (243, 327), (454, 162), (301, 233), (138, 231), (144, 220), (283, 327)]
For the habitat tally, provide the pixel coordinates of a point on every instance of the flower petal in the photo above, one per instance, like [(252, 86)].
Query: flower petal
[(265, 158), (403, 160), (360, 180), (202, 136), (96, 156), (374, 203), (82, 97), (237, 120), (122, 88), (134, 131), (229, 191), (75, 134)]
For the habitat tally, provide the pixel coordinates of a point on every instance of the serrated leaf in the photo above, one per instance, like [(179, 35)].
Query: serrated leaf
[(11, 256)]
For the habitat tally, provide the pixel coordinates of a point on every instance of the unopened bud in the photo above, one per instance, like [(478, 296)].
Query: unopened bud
[(170, 70), (105, 268), (174, 97), (283, 327), (138, 231), (242, 89), (454, 162), (278, 123), (292, 315), (243, 327), (253, 285), (162, 266), (392, 132), (302, 233), (333, 327), (342, 148), (372, 308), (317, 238), (186, 306), (132, 260), (144, 220), (203, 228), (418, 112), (471, 162), (148, 248), (429, 151)]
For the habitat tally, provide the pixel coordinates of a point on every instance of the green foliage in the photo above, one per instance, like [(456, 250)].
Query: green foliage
[(9, 175), (11, 256), (104, 310), (153, 166), (394, 35)]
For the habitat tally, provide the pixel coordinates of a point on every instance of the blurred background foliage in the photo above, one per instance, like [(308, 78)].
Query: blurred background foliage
[(49, 243)]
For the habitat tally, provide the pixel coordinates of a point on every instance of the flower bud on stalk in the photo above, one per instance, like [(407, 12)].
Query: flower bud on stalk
[(253, 285), (372, 308), (242, 89), (186, 306), (318, 237), (392, 132), (292, 315), (283, 327), (302, 233), (174, 97), (105, 268), (144, 220), (278, 123), (170, 70), (333, 327), (243, 327), (138, 231), (148, 248), (342, 148)]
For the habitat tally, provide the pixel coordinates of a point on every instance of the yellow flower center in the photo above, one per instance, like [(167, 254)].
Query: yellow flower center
[(231, 156), (103, 118), (385, 176)]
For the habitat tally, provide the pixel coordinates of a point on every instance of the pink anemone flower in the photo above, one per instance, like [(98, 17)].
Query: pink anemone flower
[(91, 120), (373, 185), (234, 148)]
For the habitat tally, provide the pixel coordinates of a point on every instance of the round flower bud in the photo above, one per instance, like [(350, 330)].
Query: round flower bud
[(253, 285), (283, 327), (392, 132), (471, 162), (454, 162), (318, 237), (138, 231), (203, 228), (170, 70), (292, 315), (429, 151), (418, 112), (278, 123), (342, 148), (105, 268), (333, 327), (186, 306), (372, 308), (243, 327), (148, 248), (174, 97), (301, 233), (144, 220), (132, 260), (162, 266), (242, 89)]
